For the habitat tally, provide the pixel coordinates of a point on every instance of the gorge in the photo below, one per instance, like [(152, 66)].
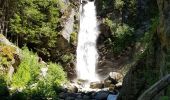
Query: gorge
[(121, 48)]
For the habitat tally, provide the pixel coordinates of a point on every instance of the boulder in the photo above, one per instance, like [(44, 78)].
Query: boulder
[(107, 83), (116, 76), (96, 85), (118, 85), (72, 89)]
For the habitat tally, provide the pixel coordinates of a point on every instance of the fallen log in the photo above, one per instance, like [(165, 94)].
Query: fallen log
[(156, 88)]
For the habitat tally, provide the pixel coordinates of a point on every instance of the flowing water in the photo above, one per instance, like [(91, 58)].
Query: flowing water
[(87, 55)]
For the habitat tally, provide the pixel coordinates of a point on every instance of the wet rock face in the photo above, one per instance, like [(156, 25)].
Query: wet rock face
[(133, 83)]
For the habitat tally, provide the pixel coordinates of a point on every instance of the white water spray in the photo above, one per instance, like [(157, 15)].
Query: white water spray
[(87, 55)]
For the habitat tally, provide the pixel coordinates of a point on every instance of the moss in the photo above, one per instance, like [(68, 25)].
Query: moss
[(73, 37), (8, 51), (6, 56)]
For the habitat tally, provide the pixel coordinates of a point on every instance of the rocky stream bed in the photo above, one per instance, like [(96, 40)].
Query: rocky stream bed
[(107, 89)]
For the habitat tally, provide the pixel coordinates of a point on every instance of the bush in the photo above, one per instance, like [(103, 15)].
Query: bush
[(28, 70), (34, 85), (122, 35), (47, 86)]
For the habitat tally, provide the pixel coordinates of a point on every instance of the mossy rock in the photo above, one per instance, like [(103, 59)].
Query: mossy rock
[(8, 51)]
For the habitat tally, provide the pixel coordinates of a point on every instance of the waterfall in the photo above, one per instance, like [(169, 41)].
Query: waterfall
[(87, 55)]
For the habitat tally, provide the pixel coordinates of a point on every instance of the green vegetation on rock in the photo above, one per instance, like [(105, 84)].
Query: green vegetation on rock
[(28, 77), (132, 40)]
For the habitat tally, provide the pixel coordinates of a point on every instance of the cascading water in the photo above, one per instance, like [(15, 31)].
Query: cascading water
[(87, 55)]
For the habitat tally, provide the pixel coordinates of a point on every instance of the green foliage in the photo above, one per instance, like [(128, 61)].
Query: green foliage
[(27, 71), (7, 53), (73, 37), (67, 58), (56, 75), (123, 30), (37, 22), (123, 37), (46, 86), (29, 78), (165, 98), (35, 18), (146, 39), (122, 34), (119, 4)]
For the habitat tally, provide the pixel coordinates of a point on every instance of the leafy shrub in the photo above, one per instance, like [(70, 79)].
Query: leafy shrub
[(122, 34), (47, 86), (36, 86), (56, 74), (27, 71), (67, 58)]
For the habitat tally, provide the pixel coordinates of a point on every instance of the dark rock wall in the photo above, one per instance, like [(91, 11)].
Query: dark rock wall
[(156, 59), (164, 38)]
